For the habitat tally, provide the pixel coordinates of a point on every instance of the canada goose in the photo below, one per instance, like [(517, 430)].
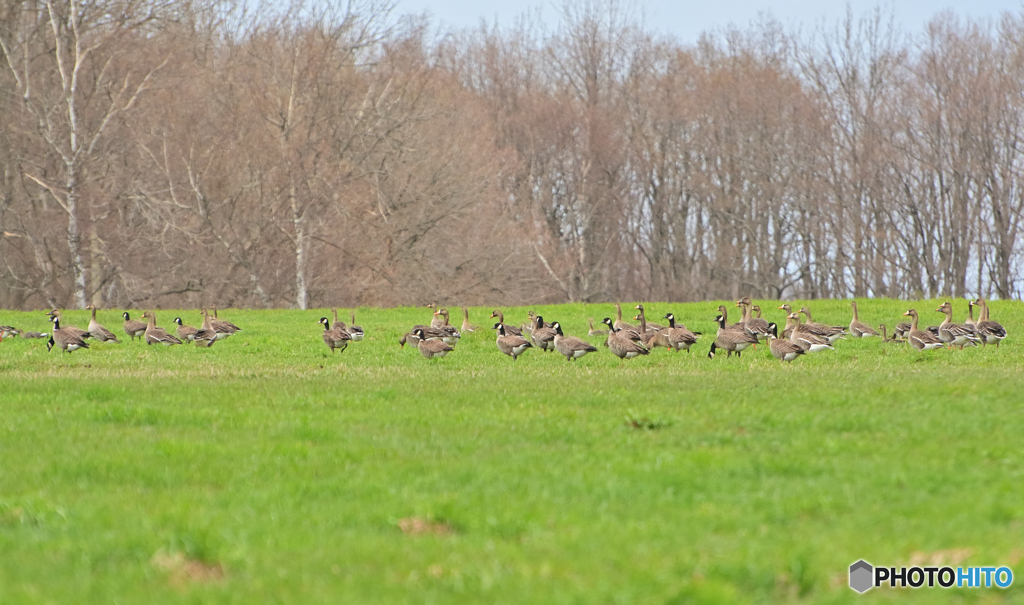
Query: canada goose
[(592, 331), (651, 338), (572, 347), (808, 341), (509, 330), (222, 326), (466, 326), (731, 338), (79, 332), (156, 334), (185, 333), (886, 338), (432, 348), (651, 327), (436, 321), (954, 334), (67, 341), (755, 326), (543, 338), (832, 333), (355, 332), (858, 328), (622, 346), (783, 350), (627, 333), (922, 341), (133, 328), (336, 339), (990, 331), (99, 332), (725, 317), (619, 324), (678, 335), (513, 345), (452, 334), (8, 332)]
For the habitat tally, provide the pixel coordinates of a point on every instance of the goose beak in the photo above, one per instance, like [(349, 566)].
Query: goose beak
[(907, 313), (782, 306)]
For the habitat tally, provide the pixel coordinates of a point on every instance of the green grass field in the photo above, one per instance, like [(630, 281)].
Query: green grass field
[(266, 470)]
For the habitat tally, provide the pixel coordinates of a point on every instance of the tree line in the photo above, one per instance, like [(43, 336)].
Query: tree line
[(174, 152)]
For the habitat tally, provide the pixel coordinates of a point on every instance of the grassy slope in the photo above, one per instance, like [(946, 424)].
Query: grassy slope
[(291, 468)]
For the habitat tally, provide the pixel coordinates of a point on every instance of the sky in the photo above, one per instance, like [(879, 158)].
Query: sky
[(687, 19)]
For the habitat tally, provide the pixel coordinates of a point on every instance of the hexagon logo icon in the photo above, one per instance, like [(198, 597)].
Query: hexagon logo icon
[(861, 576)]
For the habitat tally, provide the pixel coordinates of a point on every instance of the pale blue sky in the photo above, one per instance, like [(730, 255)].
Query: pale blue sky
[(687, 19)]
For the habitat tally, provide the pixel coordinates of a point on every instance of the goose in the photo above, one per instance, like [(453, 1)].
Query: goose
[(621, 345), (651, 338), (99, 332), (991, 332), (410, 338), (755, 326), (627, 333), (885, 338), (730, 338), (34, 334), (156, 334), (132, 327), (832, 333), (428, 333), (783, 350), (8, 332), (451, 334), (206, 335), (678, 335), (432, 348), (222, 326), (510, 330), (336, 339), (512, 345), (543, 337), (355, 332), (954, 334), (812, 343), (858, 328), (725, 317), (572, 347), (466, 326), (922, 341), (83, 334), (65, 340), (592, 331), (970, 315), (619, 324), (185, 333), (651, 327), (902, 330), (337, 322), (436, 321)]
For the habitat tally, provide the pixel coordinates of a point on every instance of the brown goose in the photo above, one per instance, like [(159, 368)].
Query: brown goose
[(185, 333), (619, 324), (783, 350), (510, 330), (206, 335), (592, 331), (650, 327), (954, 334), (623, 346), (222, 326), (808, 341), (543, 337), (132, 327), (8, 332), (572, 347), (730, 338), (651, 338), (858, 328), (922, 341), (886, 338), (991, 332), (156, 334), (451, 333), (355, 332), (970, 315), (432, 348), (627, 333), (832, 333), (755, 326), (679, 336), (97, 331), (436, 321), (410, 338), (83, 334), (466, 326), (512, 345), (336, 339), (66, 341)]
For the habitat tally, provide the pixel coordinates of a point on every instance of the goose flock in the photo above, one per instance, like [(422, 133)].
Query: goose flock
[(798, 336)]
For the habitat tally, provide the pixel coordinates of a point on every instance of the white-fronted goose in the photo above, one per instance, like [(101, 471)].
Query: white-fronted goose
[(206, 335), (621, 346), (436, 321), (355, 332), (783, 350), (222, 326), (886, 338), (970, 315), (619, 324), (922, 341), (34, 334), (132, 327), (98, 331), (679, 336), (451, 333), (509, 329), (592, 331), (651, 338), (808, 341), (954, 334), (336, 339), (432, 348), (512, 345), (65, 340), (990, 331), (732, 339), (832, 333), (466, 326), (755, 326), (155, 334), (543, 338), (185, 333), (652, 327), (858, 328), (572, 347)]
